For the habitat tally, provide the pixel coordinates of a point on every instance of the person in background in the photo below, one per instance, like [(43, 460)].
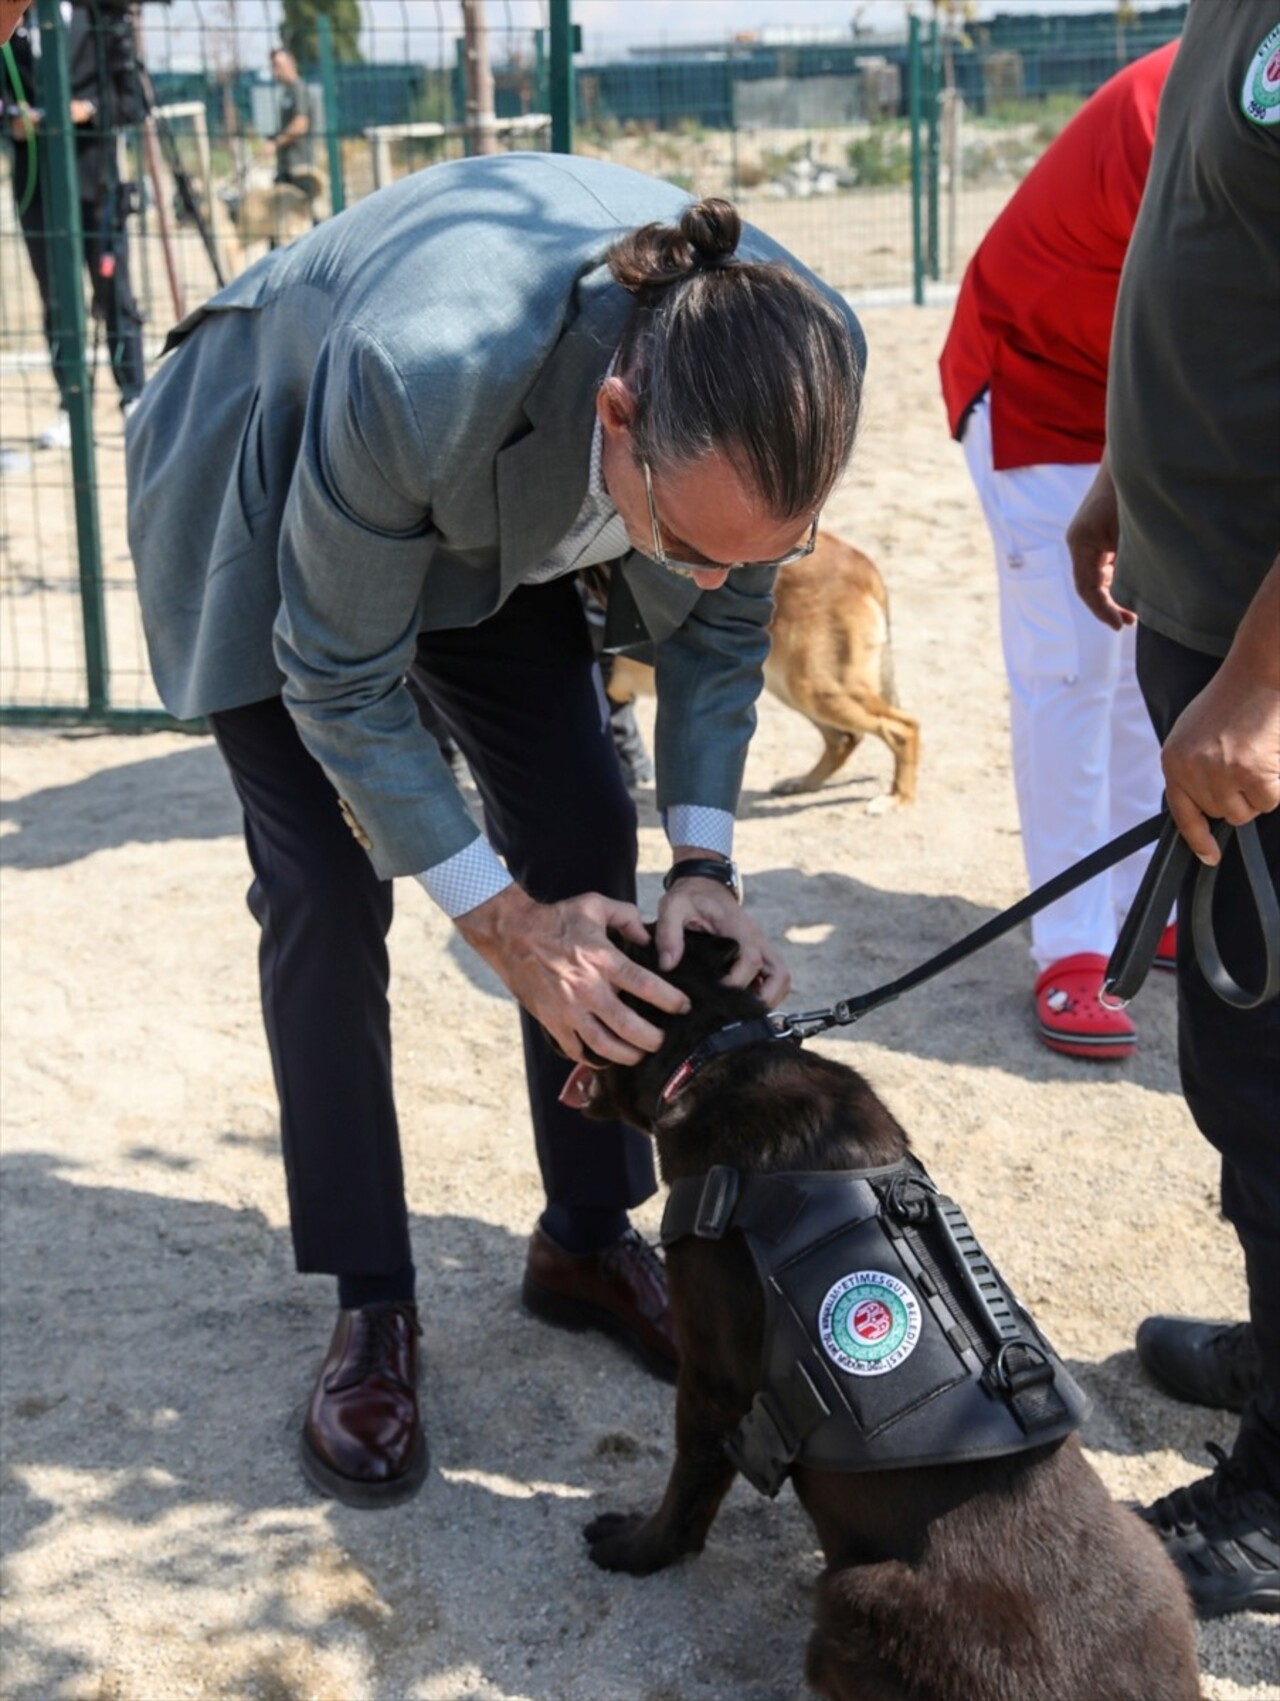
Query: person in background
[(1024, 379), (292, 142), (106, 96), (1178, 539), (381, 456)]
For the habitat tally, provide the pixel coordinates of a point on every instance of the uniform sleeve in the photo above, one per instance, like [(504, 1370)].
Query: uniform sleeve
[(355, 551)]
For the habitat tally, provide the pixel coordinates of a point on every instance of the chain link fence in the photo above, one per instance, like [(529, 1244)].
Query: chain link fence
[(153, 154)]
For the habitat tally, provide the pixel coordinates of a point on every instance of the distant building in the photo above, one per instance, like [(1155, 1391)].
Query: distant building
[(700, 82)]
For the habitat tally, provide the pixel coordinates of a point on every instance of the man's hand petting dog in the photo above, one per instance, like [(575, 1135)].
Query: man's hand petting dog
[(705, 906), (559, 962)]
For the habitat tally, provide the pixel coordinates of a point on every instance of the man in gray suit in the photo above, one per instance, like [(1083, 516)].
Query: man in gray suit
[(369, 473)]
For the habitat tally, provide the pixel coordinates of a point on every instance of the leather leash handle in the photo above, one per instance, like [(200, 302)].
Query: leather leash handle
[(1135, 949), (1267, 905)]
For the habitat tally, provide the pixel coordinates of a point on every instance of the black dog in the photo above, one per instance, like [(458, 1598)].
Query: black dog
[(1006, 1578)]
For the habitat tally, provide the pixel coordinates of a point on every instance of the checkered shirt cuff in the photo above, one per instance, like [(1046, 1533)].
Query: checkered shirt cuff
[(695, 824), (466, 879)]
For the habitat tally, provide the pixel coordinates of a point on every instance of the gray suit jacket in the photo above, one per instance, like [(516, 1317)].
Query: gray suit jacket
[(378, 431)]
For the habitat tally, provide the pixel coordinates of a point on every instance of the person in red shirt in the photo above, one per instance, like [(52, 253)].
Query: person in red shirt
[(1024, 377)]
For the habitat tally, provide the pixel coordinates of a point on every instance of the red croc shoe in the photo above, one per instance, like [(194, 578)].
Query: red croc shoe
[(1166, 956), (1071, 1016)]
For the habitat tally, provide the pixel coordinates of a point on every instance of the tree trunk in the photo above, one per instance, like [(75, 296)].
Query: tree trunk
[(481, 124)]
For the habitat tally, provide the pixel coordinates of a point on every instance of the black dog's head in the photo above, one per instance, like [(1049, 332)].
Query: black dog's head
[(632, 1094), (767, 1105)]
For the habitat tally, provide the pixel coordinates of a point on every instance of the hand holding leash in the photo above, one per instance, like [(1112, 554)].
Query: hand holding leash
[(1222, 759), (1136, 946)]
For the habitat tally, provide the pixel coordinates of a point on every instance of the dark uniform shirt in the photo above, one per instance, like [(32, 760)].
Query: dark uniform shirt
[(295, 99), (1193, 419)]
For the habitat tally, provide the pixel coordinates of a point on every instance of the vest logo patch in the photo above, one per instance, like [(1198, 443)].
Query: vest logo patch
[(869, 1323), (1260, 96)]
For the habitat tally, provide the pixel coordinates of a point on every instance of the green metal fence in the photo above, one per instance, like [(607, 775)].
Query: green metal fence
[(879, 160)]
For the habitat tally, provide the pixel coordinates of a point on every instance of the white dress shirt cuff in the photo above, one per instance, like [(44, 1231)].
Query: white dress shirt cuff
[(695, 824), (469, 877)]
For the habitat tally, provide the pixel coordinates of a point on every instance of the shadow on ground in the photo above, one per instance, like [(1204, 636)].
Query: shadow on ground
[(156, 1354), (177, 795)]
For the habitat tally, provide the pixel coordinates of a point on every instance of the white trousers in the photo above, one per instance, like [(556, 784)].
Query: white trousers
[(1086, 762)]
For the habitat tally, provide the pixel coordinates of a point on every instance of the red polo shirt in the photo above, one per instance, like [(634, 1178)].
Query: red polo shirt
[(1033, 319)]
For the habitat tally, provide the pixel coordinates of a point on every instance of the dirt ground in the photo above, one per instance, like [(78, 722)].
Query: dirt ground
[(159, 1542)]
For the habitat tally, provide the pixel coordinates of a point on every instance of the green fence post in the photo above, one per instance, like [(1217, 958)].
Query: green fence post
[(66, 251), (561, 78), (917, 220), (931, 121), (329, 83)]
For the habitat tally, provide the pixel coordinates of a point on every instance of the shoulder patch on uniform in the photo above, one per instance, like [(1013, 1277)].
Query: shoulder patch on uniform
[(1260, 96), (869, 1323)]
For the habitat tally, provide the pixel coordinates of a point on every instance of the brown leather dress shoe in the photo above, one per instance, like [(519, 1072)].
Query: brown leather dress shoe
[(622, 1291), (362, 1442)]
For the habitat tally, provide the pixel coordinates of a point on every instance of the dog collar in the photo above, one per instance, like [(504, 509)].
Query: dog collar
[(749, 1031)]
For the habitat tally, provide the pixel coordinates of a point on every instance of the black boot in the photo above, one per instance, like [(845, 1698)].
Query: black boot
[(1207, 1364)]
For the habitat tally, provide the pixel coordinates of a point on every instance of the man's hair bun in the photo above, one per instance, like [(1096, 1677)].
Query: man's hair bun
[(659, 255), (726, 352), (713, 229)]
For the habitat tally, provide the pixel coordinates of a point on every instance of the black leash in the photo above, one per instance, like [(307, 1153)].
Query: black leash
[(1145, 922), (1135, 949)]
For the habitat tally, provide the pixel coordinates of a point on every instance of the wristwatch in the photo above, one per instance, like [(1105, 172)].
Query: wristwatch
[(723, 869)]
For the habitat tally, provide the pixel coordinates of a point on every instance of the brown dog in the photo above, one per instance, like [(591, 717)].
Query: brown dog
[(830, 662), (1009, 1578)]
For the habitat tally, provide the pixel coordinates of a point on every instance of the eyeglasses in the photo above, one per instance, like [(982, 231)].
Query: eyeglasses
[(688, 568)]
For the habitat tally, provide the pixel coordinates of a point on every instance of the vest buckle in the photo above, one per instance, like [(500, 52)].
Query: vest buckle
[(715, 1206)]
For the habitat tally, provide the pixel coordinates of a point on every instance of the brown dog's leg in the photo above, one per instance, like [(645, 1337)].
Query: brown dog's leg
[(700, 1479), (846, 719), (901, 732), (849, 1658), (628, 679), (838, 747)]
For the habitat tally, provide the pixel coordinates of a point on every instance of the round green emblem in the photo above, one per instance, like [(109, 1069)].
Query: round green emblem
[(1260, 96), (869, 1323)]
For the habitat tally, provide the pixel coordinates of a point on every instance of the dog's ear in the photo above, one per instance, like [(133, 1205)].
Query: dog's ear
[(646, 955), (709, 955)]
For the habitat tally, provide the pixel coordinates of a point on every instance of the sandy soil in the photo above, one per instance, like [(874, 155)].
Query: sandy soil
[(159, 1542)]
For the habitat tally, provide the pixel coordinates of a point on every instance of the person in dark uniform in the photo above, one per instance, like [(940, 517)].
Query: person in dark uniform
[(105, 97), (291, 144), (1179, 533)]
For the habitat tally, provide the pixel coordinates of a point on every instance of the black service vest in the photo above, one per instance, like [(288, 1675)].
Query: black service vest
[(890, 1338)]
